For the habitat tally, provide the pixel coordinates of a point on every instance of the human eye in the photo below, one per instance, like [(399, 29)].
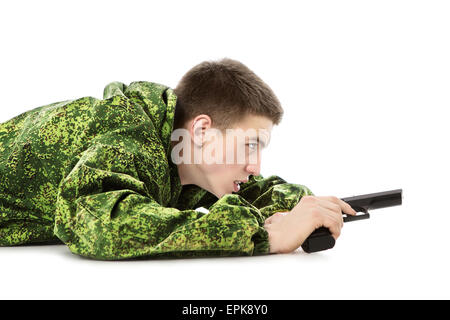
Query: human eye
[(253, 145)]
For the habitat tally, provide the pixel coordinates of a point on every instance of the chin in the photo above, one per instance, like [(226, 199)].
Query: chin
[(220, 194), (225, 193)]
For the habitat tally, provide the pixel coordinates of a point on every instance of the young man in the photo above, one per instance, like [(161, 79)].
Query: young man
[(112, 179)]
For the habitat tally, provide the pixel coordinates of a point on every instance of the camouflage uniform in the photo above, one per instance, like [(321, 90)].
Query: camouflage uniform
[(97, 175)]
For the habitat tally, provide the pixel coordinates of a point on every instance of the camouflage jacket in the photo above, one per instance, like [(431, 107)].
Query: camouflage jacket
[(97, 175)]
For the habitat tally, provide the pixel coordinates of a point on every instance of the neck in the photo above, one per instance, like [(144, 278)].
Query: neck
[(191, 174), (187, 173)]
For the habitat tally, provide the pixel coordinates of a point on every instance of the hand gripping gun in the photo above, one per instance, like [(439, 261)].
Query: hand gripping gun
[(321, 238)]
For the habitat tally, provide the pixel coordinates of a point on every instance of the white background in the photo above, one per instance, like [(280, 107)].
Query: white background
[(365, 88)]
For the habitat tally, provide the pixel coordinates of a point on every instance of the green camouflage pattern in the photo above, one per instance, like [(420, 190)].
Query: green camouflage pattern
[(97, 176)]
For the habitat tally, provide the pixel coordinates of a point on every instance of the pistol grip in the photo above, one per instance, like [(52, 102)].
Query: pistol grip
[(321, 239)]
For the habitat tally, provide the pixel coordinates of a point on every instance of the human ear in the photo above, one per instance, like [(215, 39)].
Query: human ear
[(199, 125)]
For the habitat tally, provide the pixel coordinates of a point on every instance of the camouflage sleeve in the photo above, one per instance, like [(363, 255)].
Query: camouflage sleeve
[(113, 89), (272, 194), (104, 211)]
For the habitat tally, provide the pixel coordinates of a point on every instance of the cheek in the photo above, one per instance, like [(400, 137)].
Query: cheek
[(214, 169), (220, 155), (222, 163), (224, 170), (235, 156)]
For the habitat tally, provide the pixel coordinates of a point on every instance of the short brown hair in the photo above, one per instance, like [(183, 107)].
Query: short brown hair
[(226, 90)]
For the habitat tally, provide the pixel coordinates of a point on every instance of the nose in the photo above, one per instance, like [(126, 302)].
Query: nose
[(253, 169), (254, 165)]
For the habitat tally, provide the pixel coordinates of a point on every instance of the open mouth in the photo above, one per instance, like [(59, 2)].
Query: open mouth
[(237, 184), (237, 187)]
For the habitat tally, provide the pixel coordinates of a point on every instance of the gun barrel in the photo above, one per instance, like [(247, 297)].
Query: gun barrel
[(376, 200)]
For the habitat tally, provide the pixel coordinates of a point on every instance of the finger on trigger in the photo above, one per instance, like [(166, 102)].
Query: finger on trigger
[(347, 208)]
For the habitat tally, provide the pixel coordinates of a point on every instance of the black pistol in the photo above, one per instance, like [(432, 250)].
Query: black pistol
[(321, 238)]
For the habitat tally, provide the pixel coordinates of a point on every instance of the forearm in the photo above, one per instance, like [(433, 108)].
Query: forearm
[(133, 226)]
